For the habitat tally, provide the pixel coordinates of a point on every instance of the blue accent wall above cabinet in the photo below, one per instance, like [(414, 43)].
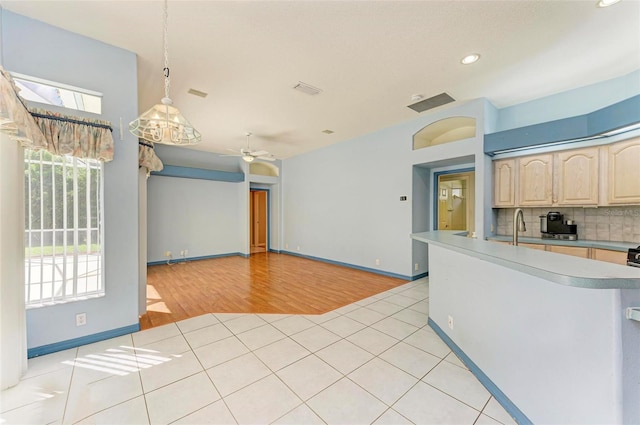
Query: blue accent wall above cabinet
[(592, 125)]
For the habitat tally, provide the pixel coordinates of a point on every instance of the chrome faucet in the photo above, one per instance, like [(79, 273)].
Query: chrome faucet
[(518, 225)]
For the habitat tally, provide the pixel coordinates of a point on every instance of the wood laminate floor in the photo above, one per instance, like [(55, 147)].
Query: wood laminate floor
[(262, 283)]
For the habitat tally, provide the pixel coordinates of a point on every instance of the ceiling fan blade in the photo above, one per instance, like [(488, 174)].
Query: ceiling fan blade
[(259, 153), (232, 150), (265, 158), (232, 155)]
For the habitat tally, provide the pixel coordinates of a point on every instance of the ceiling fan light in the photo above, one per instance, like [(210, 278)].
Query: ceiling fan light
[(606, 3), (248, 158), (469, 59)]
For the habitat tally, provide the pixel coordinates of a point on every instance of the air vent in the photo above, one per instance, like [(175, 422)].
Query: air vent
[(328, 131), (197, 93), (432, 102), (306, 88)]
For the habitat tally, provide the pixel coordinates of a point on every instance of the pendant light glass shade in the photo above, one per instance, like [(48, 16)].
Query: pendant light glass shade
[(164, 123)]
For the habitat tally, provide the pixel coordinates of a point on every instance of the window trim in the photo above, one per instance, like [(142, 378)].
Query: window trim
[(64, 161)]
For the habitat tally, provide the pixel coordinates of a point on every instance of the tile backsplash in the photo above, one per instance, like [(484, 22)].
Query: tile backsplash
[(621, 224)]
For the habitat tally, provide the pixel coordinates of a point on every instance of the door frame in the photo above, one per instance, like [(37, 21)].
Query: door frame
[(436, 178), (251, 189)]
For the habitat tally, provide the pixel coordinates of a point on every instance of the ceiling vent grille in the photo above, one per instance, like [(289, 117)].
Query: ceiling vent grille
[(432, 102), (306, 88), (197, 93)]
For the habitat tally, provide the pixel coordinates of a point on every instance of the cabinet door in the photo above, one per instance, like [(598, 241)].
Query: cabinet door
[(577, 177), (504, 180), (618, 257), (533, 246), (535, 180), (576, 251), (624, 172)]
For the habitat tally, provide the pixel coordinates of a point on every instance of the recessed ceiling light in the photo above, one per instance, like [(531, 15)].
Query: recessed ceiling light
[(469, 59), (606, 3)]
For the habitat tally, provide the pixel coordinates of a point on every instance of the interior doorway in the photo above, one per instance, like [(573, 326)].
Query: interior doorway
[(259, 219), (455, 201)]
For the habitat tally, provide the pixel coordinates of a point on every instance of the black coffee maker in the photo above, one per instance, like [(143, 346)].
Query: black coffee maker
[(553, 226)]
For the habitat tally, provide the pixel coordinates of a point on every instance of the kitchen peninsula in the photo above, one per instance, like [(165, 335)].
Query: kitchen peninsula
[(545, 332)]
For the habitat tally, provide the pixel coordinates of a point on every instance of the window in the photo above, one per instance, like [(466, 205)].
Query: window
[(50, 93), (63, 228)]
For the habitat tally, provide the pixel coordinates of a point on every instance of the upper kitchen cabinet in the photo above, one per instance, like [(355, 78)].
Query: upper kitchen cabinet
[(577, 179), (504, 179), (535, 181), (623, 162)]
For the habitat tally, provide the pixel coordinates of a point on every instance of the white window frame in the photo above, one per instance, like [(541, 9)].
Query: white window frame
[(66, 276), (72, 98)]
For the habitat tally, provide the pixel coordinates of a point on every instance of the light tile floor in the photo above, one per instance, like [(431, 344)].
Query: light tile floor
[(373, 361)]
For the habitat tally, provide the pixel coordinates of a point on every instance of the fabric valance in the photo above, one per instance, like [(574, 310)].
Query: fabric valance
[(57, 133), (15, 119), (147, 157), (75, 136)]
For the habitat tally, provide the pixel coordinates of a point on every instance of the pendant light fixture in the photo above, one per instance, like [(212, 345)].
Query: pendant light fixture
[(164, 123)]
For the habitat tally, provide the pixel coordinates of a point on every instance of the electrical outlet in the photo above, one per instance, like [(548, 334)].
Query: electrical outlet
[(182, 252), (186, 252), (167, 253), (81, 319), (286, 246), (377, 261), (450, 322), (298, 247), (416, 267)]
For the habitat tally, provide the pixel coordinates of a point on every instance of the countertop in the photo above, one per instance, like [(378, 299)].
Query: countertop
[(614, 246), (557, 268)]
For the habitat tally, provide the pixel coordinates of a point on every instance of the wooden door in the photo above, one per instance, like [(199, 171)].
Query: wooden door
[(536, 180), (504, 180), (578, 177), (624, 172), (259, 220)]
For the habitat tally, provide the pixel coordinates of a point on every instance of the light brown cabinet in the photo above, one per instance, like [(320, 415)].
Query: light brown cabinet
[(623, 163), (577, 177), (535, 180), (618, 257), (607, 255), (576, 251), (504, 178), (605, 175), (533, 246)]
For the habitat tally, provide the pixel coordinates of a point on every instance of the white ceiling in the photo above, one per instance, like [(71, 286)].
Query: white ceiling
[(368, 57)]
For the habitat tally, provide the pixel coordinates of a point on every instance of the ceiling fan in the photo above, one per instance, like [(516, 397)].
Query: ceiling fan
[(249, 155)]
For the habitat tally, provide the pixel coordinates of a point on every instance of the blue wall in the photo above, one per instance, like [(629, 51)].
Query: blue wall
[(569, 103), (201, 216), (33, 48), (342, 202)]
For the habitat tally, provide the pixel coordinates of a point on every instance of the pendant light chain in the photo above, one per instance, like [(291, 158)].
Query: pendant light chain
[(164, 123), (166, 49)]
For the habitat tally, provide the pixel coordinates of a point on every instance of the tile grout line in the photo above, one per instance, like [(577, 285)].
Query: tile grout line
[(66, 402), (204, 370)]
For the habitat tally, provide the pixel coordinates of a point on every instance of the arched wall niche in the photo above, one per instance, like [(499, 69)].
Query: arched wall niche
[(264, 169), (446, 130)]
